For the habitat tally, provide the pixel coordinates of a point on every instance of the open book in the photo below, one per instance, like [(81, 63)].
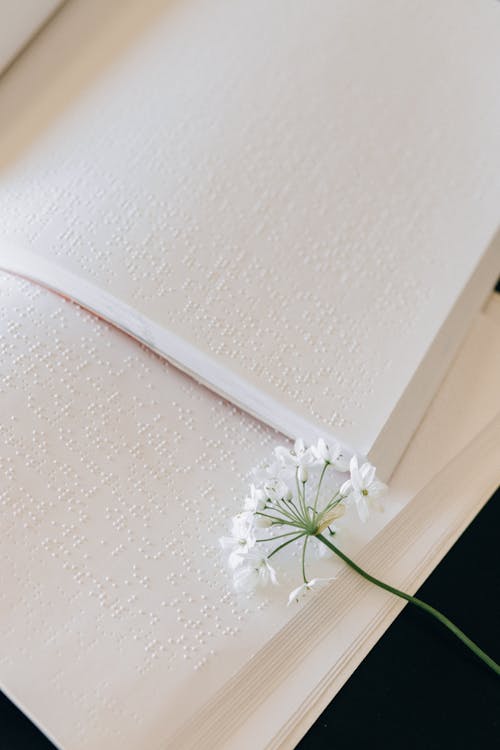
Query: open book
[(297, 208)]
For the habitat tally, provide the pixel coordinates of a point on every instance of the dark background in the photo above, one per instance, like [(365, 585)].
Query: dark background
[(419, 687)]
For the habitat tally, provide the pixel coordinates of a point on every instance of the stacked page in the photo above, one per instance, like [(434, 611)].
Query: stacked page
[(294, 205)]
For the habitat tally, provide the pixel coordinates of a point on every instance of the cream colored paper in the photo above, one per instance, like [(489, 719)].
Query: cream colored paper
[(297, 195), (117, 621)]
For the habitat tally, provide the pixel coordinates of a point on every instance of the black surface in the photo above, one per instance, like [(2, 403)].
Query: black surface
[(419, 687)]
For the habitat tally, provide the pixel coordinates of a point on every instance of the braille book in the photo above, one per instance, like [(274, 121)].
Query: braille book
[(292, 210)]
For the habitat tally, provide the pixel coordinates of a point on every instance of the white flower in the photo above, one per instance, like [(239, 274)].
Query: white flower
[(242, 538), (264, 471), (330, 454), (299, 455), (256, 501), (254, 571), (302, 474), (362, 487), (276, 489), (302, 591), (242, 524), (274, 469), (237, 549), (262, 522)]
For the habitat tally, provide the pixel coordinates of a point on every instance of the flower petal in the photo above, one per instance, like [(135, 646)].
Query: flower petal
[(367, 473), (299, 447), (272, 574), (282, 454), (237, 558), (245, 578), (346, 488), (297, 594), (362, 508), (339, 461), (355, 476)]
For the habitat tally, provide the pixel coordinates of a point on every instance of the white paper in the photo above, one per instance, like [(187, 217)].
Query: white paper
[(300, 194)]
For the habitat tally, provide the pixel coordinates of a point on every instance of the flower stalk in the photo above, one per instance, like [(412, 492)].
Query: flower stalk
[(288, 519), (417, 603)]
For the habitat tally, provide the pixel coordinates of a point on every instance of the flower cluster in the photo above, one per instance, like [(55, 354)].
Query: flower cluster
[(300, 496)]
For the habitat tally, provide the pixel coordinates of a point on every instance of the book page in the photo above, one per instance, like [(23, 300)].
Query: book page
[(296, 195), (118, 619), (118, 476)]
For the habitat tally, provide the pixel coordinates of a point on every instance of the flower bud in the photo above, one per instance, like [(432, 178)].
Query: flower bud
[(335, 513), (302, 474), (261, 522)]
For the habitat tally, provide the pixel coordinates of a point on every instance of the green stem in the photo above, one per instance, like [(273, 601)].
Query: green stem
[(285, 544), (304, 560), (278, 536), (306, 512), (418, 603), (302, 496), (335, 499), (278, 521), (299, 495), (325, 467), (291, 512)]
